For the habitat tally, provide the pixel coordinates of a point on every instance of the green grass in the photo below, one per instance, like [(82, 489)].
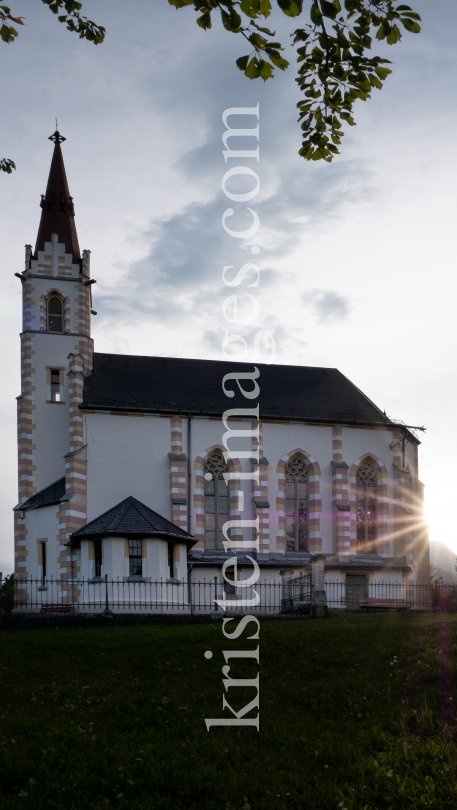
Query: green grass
[(354, 713)]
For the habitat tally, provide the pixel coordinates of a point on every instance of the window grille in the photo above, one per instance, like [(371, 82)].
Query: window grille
[(366, 507), (54, 314), (98, 558), (229, 588), (229, 581), (135, 561), (296, 505), (216, 500)]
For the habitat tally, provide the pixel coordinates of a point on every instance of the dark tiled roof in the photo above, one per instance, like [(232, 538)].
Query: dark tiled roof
[(131, 517), (170, 384), (269, 559), (57, 214), (51, 494)]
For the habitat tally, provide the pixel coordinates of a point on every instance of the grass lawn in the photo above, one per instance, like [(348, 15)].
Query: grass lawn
[(356, 712)]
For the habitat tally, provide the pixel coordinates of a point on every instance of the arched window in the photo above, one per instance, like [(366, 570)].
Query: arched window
[(296, 505), (216, 500), (54, 314), (366, 507)]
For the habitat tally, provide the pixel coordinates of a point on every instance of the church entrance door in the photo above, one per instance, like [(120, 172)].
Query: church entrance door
[(356, 588)]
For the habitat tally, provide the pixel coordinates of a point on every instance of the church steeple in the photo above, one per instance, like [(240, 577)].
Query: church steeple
[(58, 213)]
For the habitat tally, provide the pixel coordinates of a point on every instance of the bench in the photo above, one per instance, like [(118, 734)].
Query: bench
[(372, 602), (56, 608)]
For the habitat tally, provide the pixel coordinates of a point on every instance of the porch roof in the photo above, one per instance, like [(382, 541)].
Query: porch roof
[(131, 518), (53, 493), (291, 559)]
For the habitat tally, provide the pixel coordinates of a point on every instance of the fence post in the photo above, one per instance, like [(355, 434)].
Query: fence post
[(216, 612), (189, 588), (107, 611), (318, 595), (2, 611)]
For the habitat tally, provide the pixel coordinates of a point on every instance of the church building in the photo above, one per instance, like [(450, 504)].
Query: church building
[(129, 466)]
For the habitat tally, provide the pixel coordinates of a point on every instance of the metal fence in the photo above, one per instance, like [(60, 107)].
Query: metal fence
[(398, 595), (142, 596), (288, 596)]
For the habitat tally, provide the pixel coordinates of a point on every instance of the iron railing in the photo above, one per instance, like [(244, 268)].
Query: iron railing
[(400, 595), (285, 596), (142, 596)]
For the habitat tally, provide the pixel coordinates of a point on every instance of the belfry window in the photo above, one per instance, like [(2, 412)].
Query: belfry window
[(216, 500), (296, 505), (366, 507), (54, 314), (135, 560)]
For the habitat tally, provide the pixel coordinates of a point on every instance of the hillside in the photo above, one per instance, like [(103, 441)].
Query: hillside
[(444, 560)]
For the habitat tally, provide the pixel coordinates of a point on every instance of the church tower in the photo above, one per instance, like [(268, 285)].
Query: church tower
[(56, 352)]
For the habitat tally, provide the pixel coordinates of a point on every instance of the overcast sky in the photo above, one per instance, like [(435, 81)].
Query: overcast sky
[(357, 257)]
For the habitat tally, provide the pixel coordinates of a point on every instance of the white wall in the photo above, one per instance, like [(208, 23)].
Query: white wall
[(52, 434), (127, 455), (42, 523)]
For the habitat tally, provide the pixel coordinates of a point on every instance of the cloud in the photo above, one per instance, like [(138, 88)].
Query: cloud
[(181, 271), (330, 306)]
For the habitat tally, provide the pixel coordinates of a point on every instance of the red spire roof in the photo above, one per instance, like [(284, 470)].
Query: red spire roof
[(58, 213)]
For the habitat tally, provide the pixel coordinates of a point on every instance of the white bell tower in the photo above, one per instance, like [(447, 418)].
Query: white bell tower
[(56, 347)]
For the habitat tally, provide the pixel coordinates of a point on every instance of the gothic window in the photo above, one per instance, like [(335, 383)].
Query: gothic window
[(54, 314), (296, 505), (216, 500), (366, 507), (135, 561)]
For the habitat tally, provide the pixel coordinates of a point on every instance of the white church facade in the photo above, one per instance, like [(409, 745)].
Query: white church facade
[(126, 469)]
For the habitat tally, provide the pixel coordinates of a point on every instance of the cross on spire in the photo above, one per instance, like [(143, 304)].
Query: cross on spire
[(57, 137), (57, 210)]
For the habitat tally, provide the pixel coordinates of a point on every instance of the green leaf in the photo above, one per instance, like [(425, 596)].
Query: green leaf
[(315, 14), (266, 70), (329, 9), (394, 36), (292, 8), (281, 63), (257, 41), (382, 72), (250, 8), (265, 8), (252, 70), (7, 165), (374, 81), (205, 21), (231, 22), (410, 25), (242, 62)]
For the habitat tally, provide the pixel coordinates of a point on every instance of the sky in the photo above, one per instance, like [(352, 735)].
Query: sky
[(356, 257)]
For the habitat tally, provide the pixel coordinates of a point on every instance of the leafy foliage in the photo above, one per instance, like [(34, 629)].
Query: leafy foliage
[(86, 29), (334, 66), (7, 165), (434, 578), (8, 593)]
